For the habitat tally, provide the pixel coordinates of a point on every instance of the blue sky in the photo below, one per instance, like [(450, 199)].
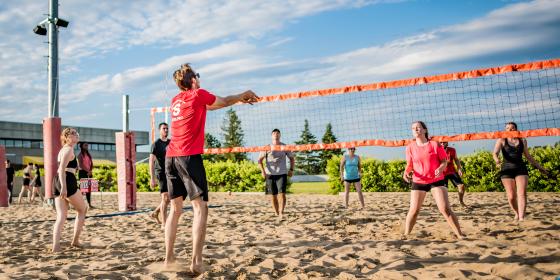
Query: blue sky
[(131, 47)]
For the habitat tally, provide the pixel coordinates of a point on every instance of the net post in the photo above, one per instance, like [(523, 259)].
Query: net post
[(52, 127), (4, 199), (126, 170)]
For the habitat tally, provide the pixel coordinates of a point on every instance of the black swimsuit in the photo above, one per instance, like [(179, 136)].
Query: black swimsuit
[(37, 180), (26, 179), (71, 183), (513, 165)]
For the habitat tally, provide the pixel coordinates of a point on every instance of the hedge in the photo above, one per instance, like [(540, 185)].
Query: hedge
[(480, 174), (222, 176)]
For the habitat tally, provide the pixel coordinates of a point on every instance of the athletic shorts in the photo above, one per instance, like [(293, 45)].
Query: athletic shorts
[(36, 183), (512, 173), (26, 181), (162, 182), (276, 184), (352, 180), (455, 179), (71, 185), (428, 187), (186, 177)]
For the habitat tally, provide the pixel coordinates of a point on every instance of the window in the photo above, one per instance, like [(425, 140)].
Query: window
[(9, 143), (26, 144), (93, 147), (113, 148), (2, 142)]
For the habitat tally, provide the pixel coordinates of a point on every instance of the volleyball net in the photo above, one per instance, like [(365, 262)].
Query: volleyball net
[(462, 106)]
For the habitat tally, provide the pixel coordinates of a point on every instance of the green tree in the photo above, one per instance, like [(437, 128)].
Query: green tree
[(308, 161), (212, 142), (233, 135), (325, 155)]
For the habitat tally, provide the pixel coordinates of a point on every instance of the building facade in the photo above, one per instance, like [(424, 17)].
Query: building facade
[(24, 142)]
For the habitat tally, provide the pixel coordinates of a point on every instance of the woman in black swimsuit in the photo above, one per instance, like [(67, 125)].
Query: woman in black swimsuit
[(26, 186), (36, 184), (65, 189), (513, 170)]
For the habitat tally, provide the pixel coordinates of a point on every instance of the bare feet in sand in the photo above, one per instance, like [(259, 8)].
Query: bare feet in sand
[(196, 269), (155, 216)]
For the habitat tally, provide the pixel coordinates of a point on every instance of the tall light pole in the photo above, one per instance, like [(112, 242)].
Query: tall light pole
[(52, 124)]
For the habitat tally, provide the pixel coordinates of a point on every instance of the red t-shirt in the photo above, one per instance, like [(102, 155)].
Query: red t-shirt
[(451, 155), (424, 160), (188, 117)]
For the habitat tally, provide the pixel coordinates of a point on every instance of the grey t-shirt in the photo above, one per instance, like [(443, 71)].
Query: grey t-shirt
[(275, 161)]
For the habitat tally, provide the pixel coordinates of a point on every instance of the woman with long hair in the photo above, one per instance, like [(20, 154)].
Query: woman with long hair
[(426, 161), (513, 171), (85, 167), (65, 189)]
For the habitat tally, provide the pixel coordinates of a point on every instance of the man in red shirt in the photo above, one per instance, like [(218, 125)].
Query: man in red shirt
[(454, 174), (183, 163)]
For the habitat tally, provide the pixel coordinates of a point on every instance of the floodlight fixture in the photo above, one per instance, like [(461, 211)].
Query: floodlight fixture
[(40, 30), (61, 22)]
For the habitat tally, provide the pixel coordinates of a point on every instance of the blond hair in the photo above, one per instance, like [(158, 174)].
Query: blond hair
[(65, 135), (183, 76)]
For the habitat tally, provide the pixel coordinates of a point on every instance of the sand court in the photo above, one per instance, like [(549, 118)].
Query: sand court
[(317, 238)]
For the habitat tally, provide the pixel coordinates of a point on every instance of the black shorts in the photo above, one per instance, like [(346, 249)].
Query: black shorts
[(186, 177), (162, 182), (352, 180), (36, 183), (512, 173), (26, 181), (455, 179), (428, 187), (71, 185), (276, 184)]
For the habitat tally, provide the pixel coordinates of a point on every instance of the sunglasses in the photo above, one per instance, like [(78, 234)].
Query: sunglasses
[(197, 75)]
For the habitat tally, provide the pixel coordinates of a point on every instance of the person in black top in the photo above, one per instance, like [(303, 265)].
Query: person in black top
[(10, 176), (65, 190), (513, 170), (36, 183), (26, 186), (157, 172)]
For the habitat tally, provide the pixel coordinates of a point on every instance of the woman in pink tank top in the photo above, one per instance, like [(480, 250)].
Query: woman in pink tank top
[(425, 162)]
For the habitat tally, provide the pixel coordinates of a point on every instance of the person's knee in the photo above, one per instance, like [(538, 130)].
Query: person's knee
[(82, 211), (200, 207), (414, 211), (176, 209), (461, 188)]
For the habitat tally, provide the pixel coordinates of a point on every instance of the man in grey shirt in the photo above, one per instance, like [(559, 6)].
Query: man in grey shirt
[(275, 173)]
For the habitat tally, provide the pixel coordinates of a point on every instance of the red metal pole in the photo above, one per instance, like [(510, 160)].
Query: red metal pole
[(126, 170), (52, 127), (3, 179)]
